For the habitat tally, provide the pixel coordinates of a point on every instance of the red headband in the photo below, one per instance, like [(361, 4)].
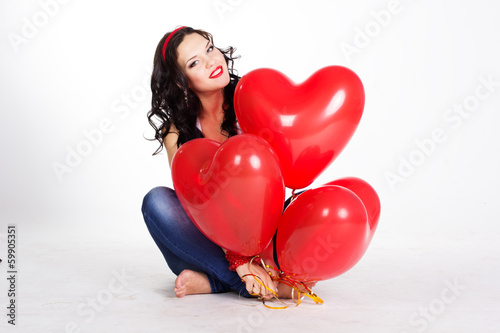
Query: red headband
[(167, 40)]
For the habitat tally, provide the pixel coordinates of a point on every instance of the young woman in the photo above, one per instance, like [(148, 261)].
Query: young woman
[(193, 86)]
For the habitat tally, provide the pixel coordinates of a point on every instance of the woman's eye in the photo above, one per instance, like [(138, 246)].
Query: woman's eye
[(194, 63), (210, 48)]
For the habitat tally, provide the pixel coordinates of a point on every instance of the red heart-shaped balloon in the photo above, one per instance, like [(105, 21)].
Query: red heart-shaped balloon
[(322, 234), (233, 192), (368, 196), (309, 124), (325, 231)]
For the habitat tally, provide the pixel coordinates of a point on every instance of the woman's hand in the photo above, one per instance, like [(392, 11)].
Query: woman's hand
[(253, 286)]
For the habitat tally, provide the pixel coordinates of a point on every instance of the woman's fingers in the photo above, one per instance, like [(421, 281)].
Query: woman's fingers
[(268, 281), (252, 286), (268, 285), (257, 280), (255, 288)]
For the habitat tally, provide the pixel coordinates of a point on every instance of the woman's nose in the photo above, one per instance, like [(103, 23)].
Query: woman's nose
[(210, 62)]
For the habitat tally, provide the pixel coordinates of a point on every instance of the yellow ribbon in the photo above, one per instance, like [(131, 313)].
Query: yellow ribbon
[(286, 279)]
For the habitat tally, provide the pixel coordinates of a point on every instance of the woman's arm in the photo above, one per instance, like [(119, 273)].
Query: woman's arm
[(170, 143)]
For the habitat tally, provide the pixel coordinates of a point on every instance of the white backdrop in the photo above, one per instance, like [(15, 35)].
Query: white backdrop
[(75, 165), (430, 71)]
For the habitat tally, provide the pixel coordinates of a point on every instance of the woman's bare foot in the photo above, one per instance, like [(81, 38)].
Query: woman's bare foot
[(190, 282), (285, 291)]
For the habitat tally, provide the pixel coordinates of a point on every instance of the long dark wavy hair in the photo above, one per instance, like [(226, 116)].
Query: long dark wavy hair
[(168, 83)]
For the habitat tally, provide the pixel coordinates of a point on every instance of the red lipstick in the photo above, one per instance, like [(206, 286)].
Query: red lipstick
[(216, 73)]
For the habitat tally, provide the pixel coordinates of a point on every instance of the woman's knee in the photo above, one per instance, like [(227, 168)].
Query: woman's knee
[(163, 212), (156, 200)]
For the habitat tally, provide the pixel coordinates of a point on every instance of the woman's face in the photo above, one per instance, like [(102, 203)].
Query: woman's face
[(203, 64)]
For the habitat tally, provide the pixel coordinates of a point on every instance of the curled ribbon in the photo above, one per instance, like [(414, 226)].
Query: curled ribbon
[(286, 279)]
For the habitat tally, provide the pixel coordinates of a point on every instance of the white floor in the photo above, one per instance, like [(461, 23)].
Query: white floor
[(74, 281)]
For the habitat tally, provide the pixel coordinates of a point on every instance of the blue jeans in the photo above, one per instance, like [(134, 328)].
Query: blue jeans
[(183, 246)]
